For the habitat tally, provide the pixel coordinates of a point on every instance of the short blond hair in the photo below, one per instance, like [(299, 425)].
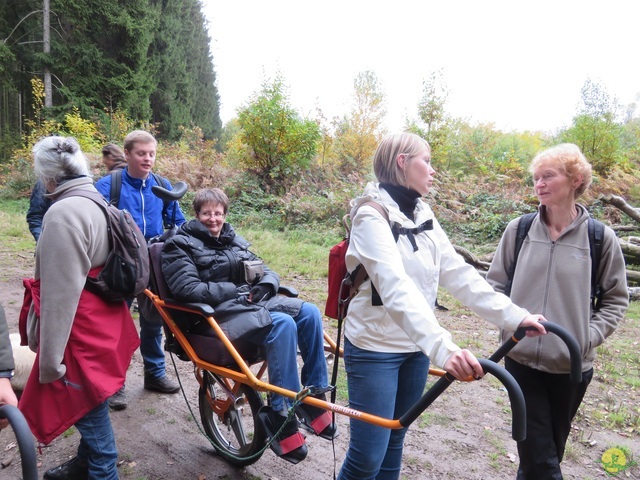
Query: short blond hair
[(385, 165), (138, 136), (568, 158)]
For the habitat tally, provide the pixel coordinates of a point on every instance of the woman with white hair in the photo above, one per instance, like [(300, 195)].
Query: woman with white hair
[(84, 344)]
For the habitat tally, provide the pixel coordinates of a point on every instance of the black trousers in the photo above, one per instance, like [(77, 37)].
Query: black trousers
[(552, 401)]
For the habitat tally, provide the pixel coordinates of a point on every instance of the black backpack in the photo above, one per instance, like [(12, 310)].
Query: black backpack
[(126, 271), (596, 236)]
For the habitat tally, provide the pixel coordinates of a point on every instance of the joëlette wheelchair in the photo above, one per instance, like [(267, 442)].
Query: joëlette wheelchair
[(230, 375)]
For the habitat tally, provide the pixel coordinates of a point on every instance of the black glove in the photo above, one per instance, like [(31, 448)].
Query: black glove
[(260, 293), (243, 290)]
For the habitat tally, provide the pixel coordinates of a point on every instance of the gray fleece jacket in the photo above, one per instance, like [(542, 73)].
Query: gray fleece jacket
[(554, 279), (73, 241)]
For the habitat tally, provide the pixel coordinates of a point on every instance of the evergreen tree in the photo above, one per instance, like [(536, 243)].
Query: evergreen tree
[(107, 57), (186, 93)]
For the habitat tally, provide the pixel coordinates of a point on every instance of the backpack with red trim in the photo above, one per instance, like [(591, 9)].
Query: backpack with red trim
[(342, 285)]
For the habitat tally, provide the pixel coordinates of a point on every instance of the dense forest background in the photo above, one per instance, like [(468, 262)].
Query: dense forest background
[(147, 60), (96, 70)]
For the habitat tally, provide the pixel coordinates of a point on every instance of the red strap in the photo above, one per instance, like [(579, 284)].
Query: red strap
[(31, 294), (291, 443), (322, 422)]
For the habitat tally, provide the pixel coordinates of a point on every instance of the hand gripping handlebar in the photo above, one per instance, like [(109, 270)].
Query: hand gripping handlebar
[(518, 409), (25, 440), (567, 338)]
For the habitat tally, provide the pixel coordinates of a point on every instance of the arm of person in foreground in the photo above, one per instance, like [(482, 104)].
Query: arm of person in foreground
[(7, 395)]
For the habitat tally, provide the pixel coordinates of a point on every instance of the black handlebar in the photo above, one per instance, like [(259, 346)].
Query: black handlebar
[(519, 427), (567, 338), (518, 409), (25, 440), (179, 189)]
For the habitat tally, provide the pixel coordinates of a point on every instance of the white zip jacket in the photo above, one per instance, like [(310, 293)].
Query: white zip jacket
[(407, 282)]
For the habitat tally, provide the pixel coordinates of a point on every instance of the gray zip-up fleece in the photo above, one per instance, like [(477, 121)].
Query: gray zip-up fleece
[(73, 241), (554, 278)]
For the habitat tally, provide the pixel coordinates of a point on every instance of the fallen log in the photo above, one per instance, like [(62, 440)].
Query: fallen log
[(471, 259), (633, 276), (634, 294), (622, 205)]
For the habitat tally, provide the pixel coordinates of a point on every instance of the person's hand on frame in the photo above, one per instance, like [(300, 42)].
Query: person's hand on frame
[(463, 365), (534, 321)]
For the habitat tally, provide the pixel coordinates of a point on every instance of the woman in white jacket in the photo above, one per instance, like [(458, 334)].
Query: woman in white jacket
[(391, 333)]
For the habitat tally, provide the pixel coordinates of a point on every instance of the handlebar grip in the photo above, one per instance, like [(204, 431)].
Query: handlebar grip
[(179, 189), (25, 440), (565, 336), (516, 398), (518, 409), (572, 345)]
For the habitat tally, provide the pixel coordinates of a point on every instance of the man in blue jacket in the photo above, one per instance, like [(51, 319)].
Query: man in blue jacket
[(150, 214)]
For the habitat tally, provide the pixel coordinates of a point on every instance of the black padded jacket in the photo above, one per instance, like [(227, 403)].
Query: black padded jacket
[(201, 268)]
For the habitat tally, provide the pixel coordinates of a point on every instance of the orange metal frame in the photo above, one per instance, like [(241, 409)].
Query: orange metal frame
[(246, 376)]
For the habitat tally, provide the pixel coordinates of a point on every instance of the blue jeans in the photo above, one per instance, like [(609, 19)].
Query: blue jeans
[(98, 444), (387, 385), (287, 333), (151, 345), (151, 348)]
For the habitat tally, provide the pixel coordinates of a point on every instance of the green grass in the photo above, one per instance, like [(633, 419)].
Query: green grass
[(293, 253), (15, 237)]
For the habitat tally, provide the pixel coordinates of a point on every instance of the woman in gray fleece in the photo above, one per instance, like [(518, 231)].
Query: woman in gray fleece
[(553, 276), (83, 343)]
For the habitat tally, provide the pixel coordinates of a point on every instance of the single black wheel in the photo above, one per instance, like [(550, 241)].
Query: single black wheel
[(229, 413)]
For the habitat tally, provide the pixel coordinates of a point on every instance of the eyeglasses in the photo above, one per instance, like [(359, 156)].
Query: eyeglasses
[(207, 215)]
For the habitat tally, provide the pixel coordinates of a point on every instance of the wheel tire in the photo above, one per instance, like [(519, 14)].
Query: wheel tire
[(234, 430)]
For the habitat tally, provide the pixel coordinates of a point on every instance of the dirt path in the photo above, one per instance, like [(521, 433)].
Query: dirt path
[(465, 434)]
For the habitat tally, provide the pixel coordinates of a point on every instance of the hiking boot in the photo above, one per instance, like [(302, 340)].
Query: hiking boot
[(289, 443), (73, 469), (118, 401), (161, 385), (317, 420)]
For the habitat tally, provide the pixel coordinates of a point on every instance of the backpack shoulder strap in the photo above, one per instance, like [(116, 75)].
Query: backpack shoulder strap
[(98, 199), (523, 229), (381, 210), (116, 187), (359, 274), (596, 238), (160, 181)]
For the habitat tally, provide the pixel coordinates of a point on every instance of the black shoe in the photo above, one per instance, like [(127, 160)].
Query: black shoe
[(317, 420), (289, 443), (118, 401), (73, 469), (162, 385)]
